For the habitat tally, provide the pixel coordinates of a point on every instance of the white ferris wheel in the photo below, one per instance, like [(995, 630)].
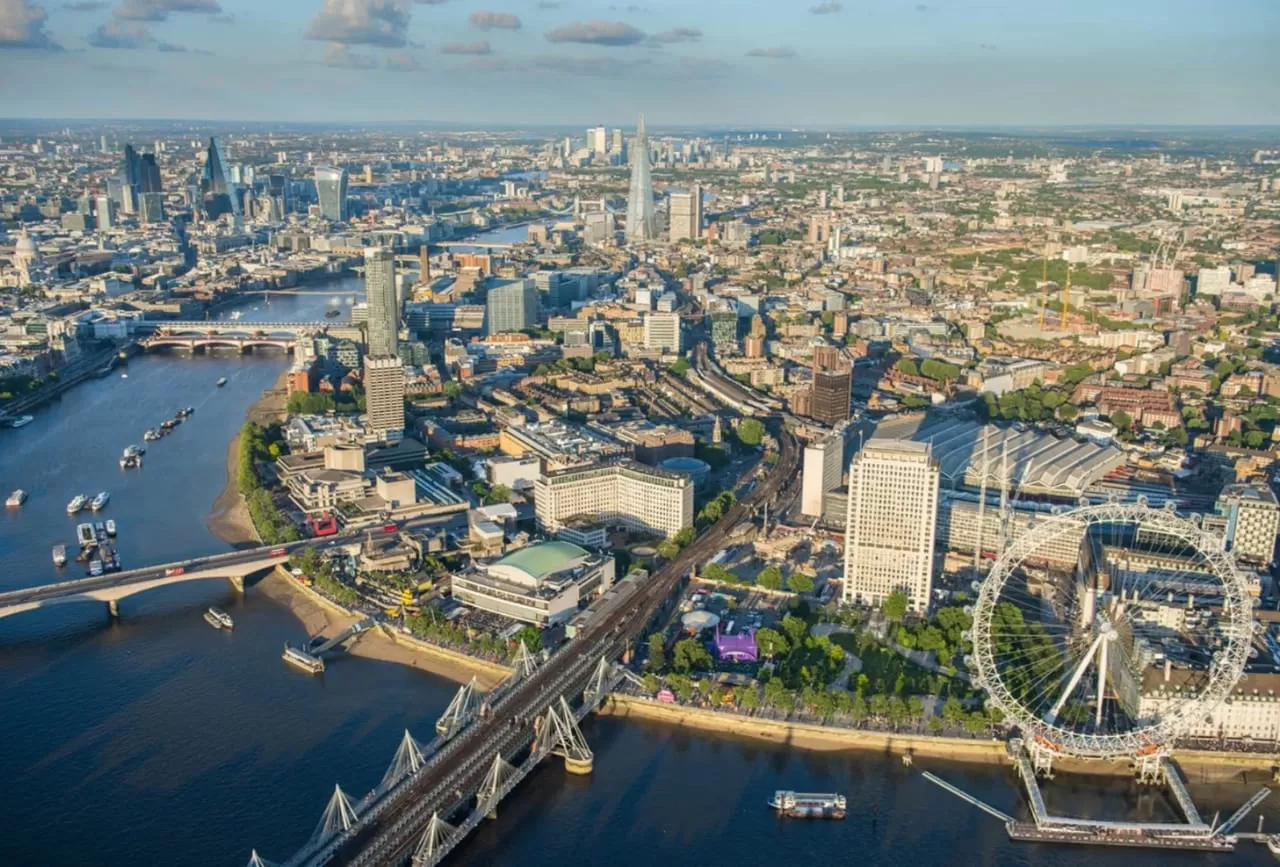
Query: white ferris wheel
[(1110, 630)]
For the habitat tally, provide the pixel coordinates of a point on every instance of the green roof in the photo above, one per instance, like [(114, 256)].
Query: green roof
[(544, 558)]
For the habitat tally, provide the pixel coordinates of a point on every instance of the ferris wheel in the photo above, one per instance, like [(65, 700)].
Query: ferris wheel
[(1109, 630)]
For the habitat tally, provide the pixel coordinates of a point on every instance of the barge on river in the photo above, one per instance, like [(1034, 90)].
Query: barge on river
[(806, 805)]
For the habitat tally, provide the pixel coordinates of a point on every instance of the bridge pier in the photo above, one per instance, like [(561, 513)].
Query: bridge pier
[(237, 581), (113, 609)]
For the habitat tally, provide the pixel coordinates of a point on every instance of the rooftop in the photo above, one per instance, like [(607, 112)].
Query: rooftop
[(545, 558)]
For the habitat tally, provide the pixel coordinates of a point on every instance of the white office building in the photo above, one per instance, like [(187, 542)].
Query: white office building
[(619, 493), (891, 522), (823, 466), (662, 331)]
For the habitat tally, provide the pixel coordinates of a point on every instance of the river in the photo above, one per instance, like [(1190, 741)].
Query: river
[(156, 740)]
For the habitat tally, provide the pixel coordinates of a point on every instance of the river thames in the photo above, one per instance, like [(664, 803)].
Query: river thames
[(156, 740)]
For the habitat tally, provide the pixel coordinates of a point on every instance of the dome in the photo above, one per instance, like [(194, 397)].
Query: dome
[(25, 253)]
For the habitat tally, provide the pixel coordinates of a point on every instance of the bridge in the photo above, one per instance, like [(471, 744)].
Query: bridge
[(245, 336), (234, 567), (433, 796)]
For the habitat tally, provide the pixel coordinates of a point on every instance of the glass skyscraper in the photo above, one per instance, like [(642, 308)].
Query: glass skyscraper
[(641, 224), (215, 184), (384, 301), (331, 187)]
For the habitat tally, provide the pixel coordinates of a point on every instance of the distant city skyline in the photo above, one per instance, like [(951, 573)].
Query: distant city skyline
[(829, 64)]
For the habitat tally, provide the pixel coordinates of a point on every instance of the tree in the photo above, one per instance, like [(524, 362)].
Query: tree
[(1067, 412), (683, 537), (749, 698), (691, 655), (800, 583), (878, 704), (531, 638), (895, 606), (497, 494), (770, 578), (771, 643), (657, 651), (907, 366), (1121, 419), (680, 368), (795, 629), (452, 389), (750, 432), (650, 684)]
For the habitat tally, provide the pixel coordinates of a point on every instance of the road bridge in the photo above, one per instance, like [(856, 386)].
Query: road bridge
[(486, 756)]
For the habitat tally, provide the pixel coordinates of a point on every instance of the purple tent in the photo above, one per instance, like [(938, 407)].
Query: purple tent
[(736, 648)]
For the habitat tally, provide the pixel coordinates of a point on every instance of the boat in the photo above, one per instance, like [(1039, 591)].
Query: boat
[(85, 535), (101, 530), (133, 451), (808, 805), (95, 567), (185, 411), (130, 463), (111, 527), (302, 659), (169, 424), (16, 499), (1273, 845), (332, 313), (59, 555), (211, 620), (152, 435), (124, 376), (22, 421), (77, 503), (100, 502), (222, 617), (221, 382)]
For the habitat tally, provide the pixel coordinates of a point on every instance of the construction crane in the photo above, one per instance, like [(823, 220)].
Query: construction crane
[(1066, 299), (1044, 283)]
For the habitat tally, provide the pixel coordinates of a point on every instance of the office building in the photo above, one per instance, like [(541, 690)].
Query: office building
[(662, 331), (821, 471), (149, 175), (641, 225), (686, 214), (1247, 517), (151, 207), (597, 140), (618, 146), (383, 299), (331, 187), (890, 523), (511, 305), (832, 385), (106, 213), (216, 187), (384, 396), (619, 493)]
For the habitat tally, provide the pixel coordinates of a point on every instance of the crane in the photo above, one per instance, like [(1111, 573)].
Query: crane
[(1044, 283), (1066, 299)]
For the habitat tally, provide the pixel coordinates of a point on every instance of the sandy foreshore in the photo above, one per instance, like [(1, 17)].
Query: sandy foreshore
[(229, 519), (319, 616)]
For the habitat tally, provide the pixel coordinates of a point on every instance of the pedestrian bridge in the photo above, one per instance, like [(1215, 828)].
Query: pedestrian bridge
[(234, 567)]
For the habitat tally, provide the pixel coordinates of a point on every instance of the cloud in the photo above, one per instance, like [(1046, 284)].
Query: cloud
[(22, 26), (830, 7), (778, 53), (224, 18), (597, 32), (86, 6), (121, 34), (483, 20), (678, 34), (488, 64), (431, 2), (403, 63), (548, 4), (171, 48), (361, 22), (341, 56), (158, 10), (480, 47)]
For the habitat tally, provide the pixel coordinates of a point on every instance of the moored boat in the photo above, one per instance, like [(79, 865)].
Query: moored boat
[(100, 502), (222, 617), (808, 805), (16, 499), (152, 435), (111, 527), (221, 382), (77, 503), (302, 659), (22, 421), (59, 555), (211, 620), (85, 535)]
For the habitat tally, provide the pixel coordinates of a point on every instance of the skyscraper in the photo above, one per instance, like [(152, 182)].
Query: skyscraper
[(891, 523), (215, 184), (149, 175), (132, 175), (384, 301), (384, 396), (641, 225), (686, 213), (331, 186), (832, 384), (511, 305)]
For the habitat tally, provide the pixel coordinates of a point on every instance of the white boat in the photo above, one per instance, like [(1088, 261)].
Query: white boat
[(100, 502), (133, 451), (16, 499), (303, 660), (222, 382), (1273, 845), (59, 555), (111, 526), (124, 376), (211, 620), (77, 503), (222, 617), (22, 421)]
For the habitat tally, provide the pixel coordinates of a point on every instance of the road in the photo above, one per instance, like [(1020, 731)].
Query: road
[(389, 832)]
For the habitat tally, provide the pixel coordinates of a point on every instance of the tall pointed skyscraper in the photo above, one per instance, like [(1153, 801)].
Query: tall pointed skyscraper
[(216, 186), (641, 224)]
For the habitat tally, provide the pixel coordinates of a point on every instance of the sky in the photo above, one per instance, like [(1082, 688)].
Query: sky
[(800, 63)]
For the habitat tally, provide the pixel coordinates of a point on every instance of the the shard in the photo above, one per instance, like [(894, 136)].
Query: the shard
[(641, 224)]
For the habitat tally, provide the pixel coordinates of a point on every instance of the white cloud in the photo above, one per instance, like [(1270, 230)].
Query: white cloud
[(597, 32), (678, 34), (22, 26), (121, 34), (361, 22), (484, 20), (158, 10), (341, 56)]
